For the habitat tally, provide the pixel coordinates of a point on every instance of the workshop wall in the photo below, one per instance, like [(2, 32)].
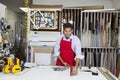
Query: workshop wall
[(11, 18), (2, 10), (71, 3), (14, 20), (116, 3)]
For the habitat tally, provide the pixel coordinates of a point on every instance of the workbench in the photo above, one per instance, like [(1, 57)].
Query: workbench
[(59, 73)]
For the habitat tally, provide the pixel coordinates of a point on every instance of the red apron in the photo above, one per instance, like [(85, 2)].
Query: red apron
[(66, 53)]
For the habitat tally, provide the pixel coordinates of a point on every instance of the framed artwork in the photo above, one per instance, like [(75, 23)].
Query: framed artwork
[(44, 20)]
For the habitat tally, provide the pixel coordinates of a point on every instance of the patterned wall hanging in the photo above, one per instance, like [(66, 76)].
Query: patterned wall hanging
[(45, 19)]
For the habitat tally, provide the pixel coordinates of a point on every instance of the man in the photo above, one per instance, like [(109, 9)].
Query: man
[(68, 49)]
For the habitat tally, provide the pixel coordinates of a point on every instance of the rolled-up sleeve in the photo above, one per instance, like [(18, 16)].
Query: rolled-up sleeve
[(77, 48), (57, 48)]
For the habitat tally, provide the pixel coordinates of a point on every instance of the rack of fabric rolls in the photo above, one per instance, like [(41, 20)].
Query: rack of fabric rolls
[(99, 38), (99, 29), (100, 57)]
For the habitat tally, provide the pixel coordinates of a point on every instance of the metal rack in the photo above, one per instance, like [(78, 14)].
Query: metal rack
[(73, 16), (100, 57), (99, 38)]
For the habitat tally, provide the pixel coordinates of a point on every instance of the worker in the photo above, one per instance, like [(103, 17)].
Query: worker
[(68, 49)]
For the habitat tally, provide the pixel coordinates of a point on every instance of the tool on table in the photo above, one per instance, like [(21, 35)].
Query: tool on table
[(59, 68), (11, 67), (16, 68), (7, 66), (94, 72)]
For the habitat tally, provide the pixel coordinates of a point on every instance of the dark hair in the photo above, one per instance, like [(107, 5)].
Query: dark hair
[(67, 25)]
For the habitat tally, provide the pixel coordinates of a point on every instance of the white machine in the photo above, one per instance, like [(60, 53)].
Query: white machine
[(41, 47)]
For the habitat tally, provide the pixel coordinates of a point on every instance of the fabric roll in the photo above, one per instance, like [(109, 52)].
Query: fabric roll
[(88, 59), (96, 25), (102, 59), (101, 32), (92, 58)]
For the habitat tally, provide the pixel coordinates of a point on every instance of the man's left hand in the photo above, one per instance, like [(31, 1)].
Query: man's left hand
[(75, 71)]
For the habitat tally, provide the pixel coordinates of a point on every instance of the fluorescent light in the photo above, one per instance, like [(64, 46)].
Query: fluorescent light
[(98, 10), (25, 9), (46, 9)]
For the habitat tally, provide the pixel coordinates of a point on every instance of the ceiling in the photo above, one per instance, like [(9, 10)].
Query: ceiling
[(15, 4)]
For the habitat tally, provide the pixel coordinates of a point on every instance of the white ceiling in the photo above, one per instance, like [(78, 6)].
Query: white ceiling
[(15, 4)]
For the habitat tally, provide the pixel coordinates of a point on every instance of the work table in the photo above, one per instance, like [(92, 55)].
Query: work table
[(59, 73)]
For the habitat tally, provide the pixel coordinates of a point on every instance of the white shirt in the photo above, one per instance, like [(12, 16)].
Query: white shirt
[(76, 46)]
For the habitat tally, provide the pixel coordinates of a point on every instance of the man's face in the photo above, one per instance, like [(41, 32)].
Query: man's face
[(67, 32)]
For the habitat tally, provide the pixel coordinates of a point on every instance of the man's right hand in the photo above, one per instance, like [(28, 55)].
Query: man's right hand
[(66, 64)]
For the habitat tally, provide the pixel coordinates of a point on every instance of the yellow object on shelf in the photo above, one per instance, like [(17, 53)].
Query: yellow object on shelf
[(3, 41)]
